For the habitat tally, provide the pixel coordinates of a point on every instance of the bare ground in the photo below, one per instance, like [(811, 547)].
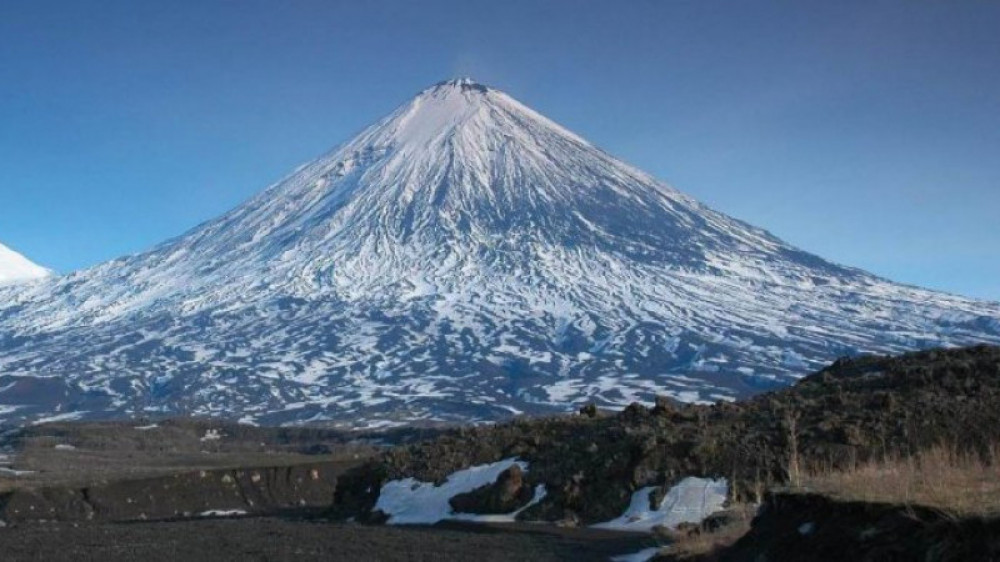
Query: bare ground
[(276, 539)]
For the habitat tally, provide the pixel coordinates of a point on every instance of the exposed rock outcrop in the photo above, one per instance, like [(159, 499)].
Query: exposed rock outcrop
[(252, 490), (812, 528), (506, 495)]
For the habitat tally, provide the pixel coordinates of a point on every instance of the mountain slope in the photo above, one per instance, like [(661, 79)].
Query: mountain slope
[(15, 268), (463, 258)]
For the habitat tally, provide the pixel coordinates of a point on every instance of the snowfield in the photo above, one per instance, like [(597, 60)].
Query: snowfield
[(462, 259)]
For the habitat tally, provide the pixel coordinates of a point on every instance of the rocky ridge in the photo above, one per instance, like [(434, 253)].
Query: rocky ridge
[(854, 410)]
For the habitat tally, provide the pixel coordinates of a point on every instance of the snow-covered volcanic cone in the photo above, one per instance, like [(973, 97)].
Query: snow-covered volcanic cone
[(464, 258)]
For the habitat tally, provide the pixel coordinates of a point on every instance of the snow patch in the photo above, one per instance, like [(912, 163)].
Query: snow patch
[(68, 416), (641, 556), (222, 513), (412, 502), (690, 501), (212, 435)]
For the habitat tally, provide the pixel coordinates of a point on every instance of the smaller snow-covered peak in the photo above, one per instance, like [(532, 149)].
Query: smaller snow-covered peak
[(15, 268)]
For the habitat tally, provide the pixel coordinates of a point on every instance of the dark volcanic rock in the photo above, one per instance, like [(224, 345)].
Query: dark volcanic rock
[(252, 490), (505, 495), (804, 527), (855, 410)]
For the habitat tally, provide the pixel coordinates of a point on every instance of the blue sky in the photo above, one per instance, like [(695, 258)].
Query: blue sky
[(867, 132)]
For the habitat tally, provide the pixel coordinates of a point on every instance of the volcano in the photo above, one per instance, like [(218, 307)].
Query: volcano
[(462, 259)]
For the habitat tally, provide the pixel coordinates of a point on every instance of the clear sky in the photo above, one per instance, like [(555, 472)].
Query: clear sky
[(864, 131)]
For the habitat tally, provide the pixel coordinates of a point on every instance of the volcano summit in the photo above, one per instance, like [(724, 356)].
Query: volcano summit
[(464, 258)]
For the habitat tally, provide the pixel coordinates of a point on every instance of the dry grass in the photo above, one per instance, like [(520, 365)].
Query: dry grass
[(957, 483)]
